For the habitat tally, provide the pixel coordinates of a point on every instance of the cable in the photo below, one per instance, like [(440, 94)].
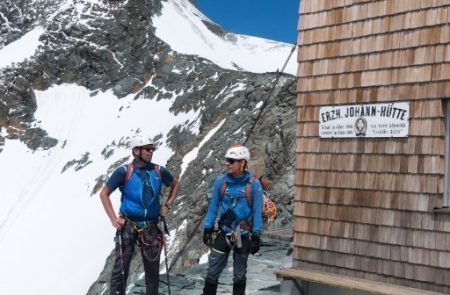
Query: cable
[(266, 102)]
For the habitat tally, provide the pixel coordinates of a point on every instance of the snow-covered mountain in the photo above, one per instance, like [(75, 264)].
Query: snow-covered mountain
[(188, 31), (77, 80)]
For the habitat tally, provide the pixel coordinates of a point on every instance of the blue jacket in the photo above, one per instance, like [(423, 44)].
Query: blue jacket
[(140, 195), (235, 198)]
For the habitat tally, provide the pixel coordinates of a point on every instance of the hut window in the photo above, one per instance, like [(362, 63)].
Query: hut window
[(447, 155)]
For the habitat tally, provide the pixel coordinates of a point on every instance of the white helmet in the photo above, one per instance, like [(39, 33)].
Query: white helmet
[(140, 140), (238, 153)]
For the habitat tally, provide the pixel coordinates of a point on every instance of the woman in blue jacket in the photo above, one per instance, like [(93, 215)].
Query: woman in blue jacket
[(239, 196)]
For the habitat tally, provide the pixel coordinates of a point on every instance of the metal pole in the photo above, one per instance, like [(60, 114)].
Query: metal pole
[(167, 267), (165, 252), (122, 261)]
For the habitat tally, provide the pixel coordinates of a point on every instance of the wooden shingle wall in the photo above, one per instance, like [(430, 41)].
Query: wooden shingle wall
[(364, 207)]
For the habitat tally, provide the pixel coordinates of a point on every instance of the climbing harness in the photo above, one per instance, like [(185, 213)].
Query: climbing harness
[(234, 238), (146, 238)]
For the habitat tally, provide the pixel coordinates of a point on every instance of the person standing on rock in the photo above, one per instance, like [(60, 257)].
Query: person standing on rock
[(137, 221), (239, 196)]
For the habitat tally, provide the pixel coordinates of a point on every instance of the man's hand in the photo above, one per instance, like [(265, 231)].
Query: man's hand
[(164, 210), (255, 243), (207, 236), (119, 222), (116, 221)]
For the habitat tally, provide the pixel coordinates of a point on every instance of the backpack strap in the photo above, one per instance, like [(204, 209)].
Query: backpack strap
[(130, 170), (223, 188), (265, 184), (248, 191), (156, 167)]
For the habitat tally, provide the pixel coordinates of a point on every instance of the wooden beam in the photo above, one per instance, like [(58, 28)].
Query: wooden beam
[(346, 282)]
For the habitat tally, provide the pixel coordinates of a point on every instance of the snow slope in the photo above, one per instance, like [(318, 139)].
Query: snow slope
[(21, 49), (50, 224)]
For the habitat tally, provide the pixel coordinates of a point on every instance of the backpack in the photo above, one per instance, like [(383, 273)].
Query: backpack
[(269, 211)]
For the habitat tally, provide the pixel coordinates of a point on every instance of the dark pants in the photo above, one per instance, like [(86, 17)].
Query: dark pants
[(150, 244), (218, 258)]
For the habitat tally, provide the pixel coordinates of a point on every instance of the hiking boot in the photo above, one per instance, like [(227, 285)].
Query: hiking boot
[(210, 288), (239, 288)]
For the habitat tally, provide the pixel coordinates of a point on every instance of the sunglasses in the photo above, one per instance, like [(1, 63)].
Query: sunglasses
[(149, 149), (231, 161)]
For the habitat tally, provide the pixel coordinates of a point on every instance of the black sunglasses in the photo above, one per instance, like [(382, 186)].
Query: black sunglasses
[(230, 161), (149, 149)]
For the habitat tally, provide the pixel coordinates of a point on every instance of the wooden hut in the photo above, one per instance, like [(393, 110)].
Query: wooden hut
[(371, 195)]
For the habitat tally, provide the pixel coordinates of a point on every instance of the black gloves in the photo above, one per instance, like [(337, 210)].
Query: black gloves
[(254, 243), (207, 236)]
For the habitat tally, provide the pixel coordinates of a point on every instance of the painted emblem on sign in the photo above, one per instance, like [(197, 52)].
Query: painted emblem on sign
[(360, 126)]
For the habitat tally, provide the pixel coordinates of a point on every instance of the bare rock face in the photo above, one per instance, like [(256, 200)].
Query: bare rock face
[(18, 17), (112, 46)]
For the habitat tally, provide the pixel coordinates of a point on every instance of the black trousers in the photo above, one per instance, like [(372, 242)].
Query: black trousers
[(218, 258), (150, 243)]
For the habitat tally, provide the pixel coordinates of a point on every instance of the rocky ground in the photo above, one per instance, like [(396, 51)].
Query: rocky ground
[(260, 277)]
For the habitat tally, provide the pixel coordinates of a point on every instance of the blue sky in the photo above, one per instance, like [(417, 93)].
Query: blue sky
[(270, 19)]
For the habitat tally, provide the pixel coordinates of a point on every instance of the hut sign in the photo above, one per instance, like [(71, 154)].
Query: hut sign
[(367, 120)]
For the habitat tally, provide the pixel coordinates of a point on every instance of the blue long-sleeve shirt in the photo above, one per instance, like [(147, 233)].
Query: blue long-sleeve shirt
[(235, 198)]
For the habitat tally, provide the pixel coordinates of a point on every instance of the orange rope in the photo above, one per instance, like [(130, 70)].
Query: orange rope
[(269, 209)]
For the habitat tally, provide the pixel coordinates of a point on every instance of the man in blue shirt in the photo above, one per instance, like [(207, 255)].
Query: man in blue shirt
[(137, 221), (239, 196)]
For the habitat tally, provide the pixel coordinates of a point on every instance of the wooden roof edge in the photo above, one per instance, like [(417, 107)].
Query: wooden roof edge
[(347, 282)]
